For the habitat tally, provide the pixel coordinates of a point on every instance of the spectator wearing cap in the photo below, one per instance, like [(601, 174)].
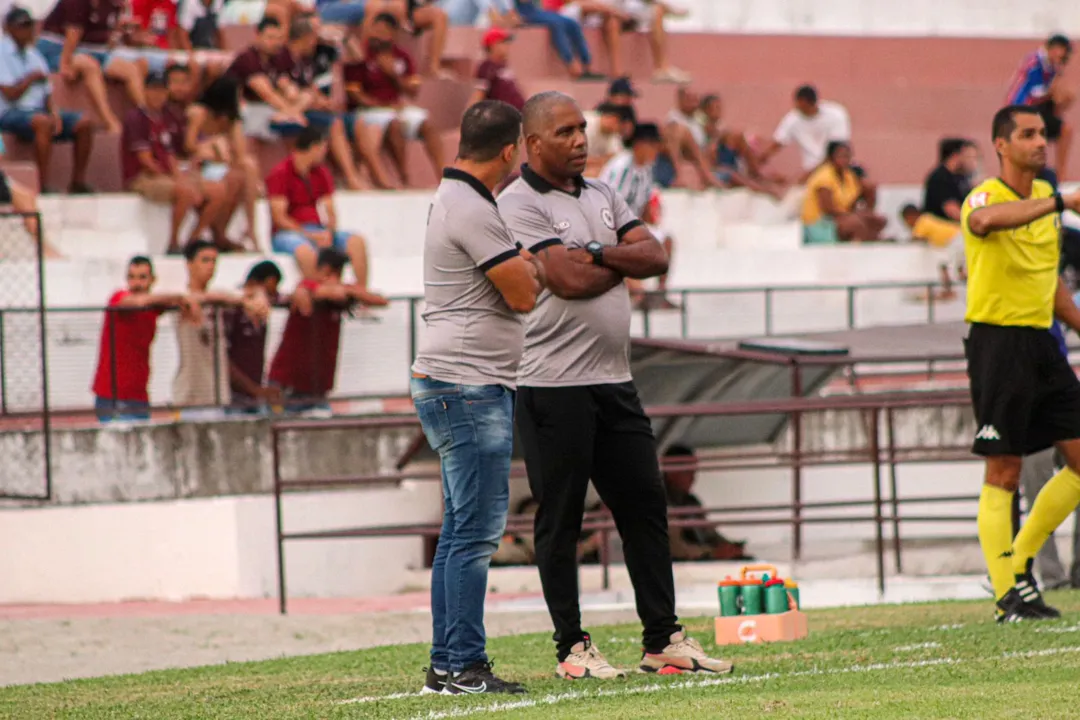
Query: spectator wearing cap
[(630, 174), (246, 341), (621, 91), (810, 125), (150, 147), (605, 135), (26, 104), (499, 13), (378, 87), (1038, 82), (494, 78), (567, 37), (77, 39)]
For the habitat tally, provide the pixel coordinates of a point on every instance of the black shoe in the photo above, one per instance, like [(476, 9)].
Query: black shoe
[(434, 682), (1028, 590), (478, 679)]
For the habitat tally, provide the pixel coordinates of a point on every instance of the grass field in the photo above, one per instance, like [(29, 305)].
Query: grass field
[(940, 660)]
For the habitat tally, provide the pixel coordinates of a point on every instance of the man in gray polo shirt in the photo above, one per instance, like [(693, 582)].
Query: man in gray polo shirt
[(578, 411), (476, 282)]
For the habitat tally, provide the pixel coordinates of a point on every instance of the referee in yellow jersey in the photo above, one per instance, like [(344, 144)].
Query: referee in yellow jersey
[(1025, 395)]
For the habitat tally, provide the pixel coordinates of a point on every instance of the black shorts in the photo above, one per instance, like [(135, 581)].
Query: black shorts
[(5, 190), (1025, 395), (1050, 117)]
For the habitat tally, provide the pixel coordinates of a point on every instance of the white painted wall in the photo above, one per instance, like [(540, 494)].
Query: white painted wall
[(215, 548)]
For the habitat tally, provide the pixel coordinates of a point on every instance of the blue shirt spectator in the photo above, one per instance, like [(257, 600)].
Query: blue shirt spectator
[(1033, 79), (17, 63)]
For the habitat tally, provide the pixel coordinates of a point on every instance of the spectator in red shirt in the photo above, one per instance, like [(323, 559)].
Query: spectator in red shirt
[(123, 371), (246, 341), (303, 220), (494, 79), (263, 71), (151, 143), (377, 87), (77, 39), (305, 363)]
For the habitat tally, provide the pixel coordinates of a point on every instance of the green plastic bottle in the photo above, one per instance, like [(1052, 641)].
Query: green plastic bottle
[(752, 596), (776, 600), (729, 590)]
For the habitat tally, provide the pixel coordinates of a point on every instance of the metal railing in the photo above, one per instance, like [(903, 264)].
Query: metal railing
[(880, 451), (374, 354)]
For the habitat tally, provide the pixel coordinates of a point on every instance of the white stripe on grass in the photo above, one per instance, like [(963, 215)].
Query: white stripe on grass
[(558, 698)]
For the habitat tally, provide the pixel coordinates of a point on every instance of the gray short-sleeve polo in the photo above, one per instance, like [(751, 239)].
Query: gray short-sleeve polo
[(571, 342), (471, 337)]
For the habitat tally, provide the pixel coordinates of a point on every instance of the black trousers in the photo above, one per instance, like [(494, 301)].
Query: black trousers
[(599, 432)]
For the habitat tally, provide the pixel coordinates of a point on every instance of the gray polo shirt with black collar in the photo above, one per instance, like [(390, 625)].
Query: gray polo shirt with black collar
[(470, 335), (570, 343)]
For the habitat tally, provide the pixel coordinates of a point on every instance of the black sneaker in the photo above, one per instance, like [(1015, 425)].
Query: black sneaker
[(478, 679), (434, 682), (1028, 590)]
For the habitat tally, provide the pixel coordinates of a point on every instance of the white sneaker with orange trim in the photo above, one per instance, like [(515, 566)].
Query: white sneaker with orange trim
[(683, 655), (585, 661)]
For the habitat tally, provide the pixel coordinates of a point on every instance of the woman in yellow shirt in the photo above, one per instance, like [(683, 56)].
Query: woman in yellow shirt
[(831, 210)]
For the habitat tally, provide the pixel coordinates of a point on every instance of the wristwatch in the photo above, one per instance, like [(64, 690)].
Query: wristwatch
[(596, 250)]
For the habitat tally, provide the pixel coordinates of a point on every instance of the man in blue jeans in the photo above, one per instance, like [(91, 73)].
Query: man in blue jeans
[(567, 38), (476, 284)]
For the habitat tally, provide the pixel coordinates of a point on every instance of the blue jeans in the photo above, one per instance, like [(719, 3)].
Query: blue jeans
[(566, 34), (467, 12), (108, 409), (286, 241), (316, 118), (342, 12), (472, 429)]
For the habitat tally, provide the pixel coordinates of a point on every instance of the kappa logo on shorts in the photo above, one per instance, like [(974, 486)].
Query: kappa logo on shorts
[(987, 432)]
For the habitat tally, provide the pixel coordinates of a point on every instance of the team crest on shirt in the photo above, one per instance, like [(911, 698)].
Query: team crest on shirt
[(608, 218), (978, 200), (562, 226)]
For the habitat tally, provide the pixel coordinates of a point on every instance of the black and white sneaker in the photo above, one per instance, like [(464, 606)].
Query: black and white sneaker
[(1024, 601), (478, 679), (434, 682)]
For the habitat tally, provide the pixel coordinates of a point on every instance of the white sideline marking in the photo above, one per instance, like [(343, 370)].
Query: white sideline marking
[(949, 627), (920, 646), (1059, 630), (557, 698)]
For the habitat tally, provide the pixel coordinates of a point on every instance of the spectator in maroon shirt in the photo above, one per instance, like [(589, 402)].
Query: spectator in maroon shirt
[(263, 71), (123, 370), (150, 147), (494, 79), (377, 87), (246, 342), (76, 39), (303, 219), (305, 363)]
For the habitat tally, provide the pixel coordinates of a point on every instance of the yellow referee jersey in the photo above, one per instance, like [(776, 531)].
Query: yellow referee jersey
[(1012, 274)]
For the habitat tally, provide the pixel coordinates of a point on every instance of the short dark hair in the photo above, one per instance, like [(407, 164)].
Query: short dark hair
[(387, 19), (141, 260), (222, 98), (645, 132), (807, 93), (193, 248), (331, 258), (309, 137), (709, 100), (260, 272), (909, 208), (176, 68), (486, 128), (300, 28), (268, 21), (678, 450), (1005, 120), (835, 145), (949, 147), (1059, 40)]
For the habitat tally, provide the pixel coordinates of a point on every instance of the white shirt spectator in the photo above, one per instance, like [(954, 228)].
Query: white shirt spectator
[(813, 134), (634, 183)]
